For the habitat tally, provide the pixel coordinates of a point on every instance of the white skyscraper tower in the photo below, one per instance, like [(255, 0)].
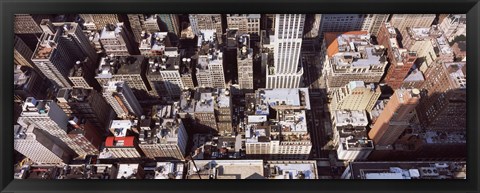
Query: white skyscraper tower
[(286, 71)]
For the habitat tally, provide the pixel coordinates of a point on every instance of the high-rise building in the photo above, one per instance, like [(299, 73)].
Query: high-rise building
[(312, 26), (141, 24), (22, 54), (210, 72), (244, 23), (205, 111), (401, 60), (349, 56), (168, 74), (422, 41), (130, 69), (443, 103), (286, 136), (225, 169), (83, 76), (170, 23), (47, 116), (223, 111), (414, 80), (38, 147), (351, 22), (245, 62), (454, 25), (291, 169), (98, 21), (356, 96), (350, 135), (152, 23), (120, 96), (395, 117), (116, 40), (59, 49), (25, 24), (202, 22), (404, 170), (52, 60), (28, 83), (85, 103), (156, 44), (168, 139), (86, 135), (287, 69), (74, 35), (402, 21), (122, 148), (136, 24)]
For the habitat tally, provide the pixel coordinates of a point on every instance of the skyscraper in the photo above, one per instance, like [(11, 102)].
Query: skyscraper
[(287, 70), (244, 23), (402, 21), (454, 25), (351, 22), (443, 103), (119, 95), (130, 69), (36, 146), (356, 95), (167, 140), (401, 60), (170, 23), (47, 116), (116, 40), (52, 60), (85, 103), (395, 117), (350, 56), (201, 22), (22, 53), (98, 21), (136, 21), (245, 63), (210, 72), (25, 24)]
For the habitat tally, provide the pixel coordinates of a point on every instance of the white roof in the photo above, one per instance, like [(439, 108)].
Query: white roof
[(384, 176)]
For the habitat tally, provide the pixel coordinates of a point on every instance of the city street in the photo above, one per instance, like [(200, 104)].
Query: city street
[(316, 115)]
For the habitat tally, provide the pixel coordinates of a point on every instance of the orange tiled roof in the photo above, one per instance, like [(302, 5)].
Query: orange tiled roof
[(332, 43)]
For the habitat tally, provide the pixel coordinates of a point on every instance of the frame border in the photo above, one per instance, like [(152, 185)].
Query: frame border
[(10, 7)]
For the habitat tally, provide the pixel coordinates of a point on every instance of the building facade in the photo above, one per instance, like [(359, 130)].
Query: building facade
[(245, 23), (116, 40), (287, 69), (395, 117), (119, 95)]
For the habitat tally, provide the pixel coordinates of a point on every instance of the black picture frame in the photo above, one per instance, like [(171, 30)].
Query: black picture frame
[(10, 7)]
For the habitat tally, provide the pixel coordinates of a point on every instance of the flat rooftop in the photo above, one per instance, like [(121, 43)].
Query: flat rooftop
[(187, 102), (223, 98), (457, 75), (415, 76), (226, 169), (110, 66), (354, 118), (167, 170), (127, 171), (419, 33), (444, 137), (285, 96), (407, 170), (291, 170), (205, 103), (110, 31)]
